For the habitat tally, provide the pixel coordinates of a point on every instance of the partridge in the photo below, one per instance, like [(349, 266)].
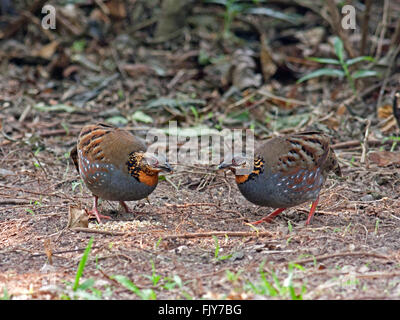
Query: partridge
[(115, 166), (285, 171)]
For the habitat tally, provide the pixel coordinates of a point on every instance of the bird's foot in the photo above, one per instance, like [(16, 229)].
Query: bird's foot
[(269, 217), (95, 213), (265, 219), (127, 210)]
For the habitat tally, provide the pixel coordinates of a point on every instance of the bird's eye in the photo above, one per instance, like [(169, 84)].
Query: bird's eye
[(234, 162)]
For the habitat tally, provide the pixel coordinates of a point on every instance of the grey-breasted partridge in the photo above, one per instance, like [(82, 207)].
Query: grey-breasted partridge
[(287, 171), (115, 166)]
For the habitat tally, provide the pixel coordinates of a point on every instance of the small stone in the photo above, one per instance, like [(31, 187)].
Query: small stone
[(367, 197)]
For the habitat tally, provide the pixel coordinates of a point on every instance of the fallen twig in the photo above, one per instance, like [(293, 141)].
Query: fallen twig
[(218, 233), (341, 254), (201, 204), (89, 230), (364, 145)]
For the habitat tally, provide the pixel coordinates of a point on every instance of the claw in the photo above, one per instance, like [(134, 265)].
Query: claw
[(95, 212)]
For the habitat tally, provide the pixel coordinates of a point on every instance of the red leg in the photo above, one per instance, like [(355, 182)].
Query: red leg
[(311, 214), (95, 212), (123, 204), (269, 217), (127, 210)]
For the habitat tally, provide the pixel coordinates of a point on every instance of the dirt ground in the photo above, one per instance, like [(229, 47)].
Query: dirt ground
[(192, 240), (350, 251)]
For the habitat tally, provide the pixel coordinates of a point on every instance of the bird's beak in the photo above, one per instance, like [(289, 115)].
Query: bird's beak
[(165, 167), (224, 165)]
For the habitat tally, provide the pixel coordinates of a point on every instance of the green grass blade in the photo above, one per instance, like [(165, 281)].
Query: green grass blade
[(82, 264), (364, 73), (216, 251), (271, 290), (123, 280), (145, 294), (5, 296), (350, 62), (322, 72), (339, 51), (324, 60), (86, 284)]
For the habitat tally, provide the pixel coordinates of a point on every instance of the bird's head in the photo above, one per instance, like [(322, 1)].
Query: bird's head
[(155, 162), (145, 166), (239, 164)]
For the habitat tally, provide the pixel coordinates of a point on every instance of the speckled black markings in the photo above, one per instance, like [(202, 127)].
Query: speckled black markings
[(258, 168), (133, 166)]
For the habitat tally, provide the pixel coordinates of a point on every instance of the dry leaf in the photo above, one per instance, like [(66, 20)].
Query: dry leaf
[(77, 217), (47, 51), (385, 111), (332, 123), (116, 9), (385, 158), (134, 70), (341, 110)]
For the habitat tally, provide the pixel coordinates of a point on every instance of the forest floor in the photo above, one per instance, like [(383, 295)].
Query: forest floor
[(192, 240)]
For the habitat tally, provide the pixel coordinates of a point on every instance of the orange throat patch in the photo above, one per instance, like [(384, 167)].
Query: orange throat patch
[(241, 178), (258, 169), (149, 178)]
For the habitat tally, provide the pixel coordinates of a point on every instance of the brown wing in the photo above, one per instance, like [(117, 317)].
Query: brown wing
[(304, 150), (104, 143)]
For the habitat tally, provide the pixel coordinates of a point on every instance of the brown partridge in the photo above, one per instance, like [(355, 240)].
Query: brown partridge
[(115, 166), (285, 171)]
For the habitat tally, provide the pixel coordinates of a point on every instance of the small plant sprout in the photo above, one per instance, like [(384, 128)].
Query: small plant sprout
[(157, 244), (344, 64), (195, 113), (217, 249), (235, 7), (30, 211), (232, 276), (288, 282), (290, 227), (154, 277), (176, 282), (145, 294), (274, 287), (80, 290), (74, 184), (6, 295), (306, 255), (395, 140), (347, 228), (81, 266)]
